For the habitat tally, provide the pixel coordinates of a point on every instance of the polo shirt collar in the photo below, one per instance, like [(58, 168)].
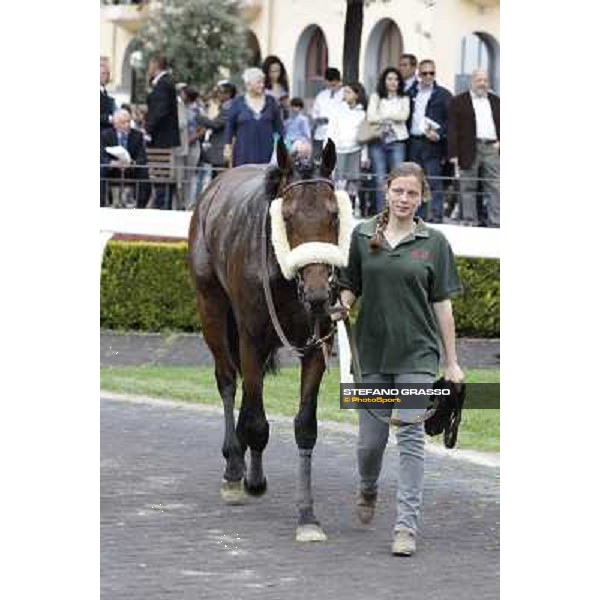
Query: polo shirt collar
[(367, 228), (421, 230)]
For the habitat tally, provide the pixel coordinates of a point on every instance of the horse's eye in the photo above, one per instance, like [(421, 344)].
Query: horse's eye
[(335, 218)]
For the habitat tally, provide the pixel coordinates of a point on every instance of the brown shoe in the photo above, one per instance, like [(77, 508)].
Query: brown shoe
[(404, 543), (365, 506)]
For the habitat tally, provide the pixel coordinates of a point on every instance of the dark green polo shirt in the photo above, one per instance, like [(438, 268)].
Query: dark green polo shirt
[(396, 329)]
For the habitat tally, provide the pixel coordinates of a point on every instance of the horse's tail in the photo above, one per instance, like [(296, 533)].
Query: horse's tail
[(271, 364), (233, 340)]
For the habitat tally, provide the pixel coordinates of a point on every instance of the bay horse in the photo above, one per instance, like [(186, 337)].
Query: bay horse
[(265, 235)]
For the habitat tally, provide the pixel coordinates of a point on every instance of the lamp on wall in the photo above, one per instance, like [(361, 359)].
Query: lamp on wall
[(136, 60)]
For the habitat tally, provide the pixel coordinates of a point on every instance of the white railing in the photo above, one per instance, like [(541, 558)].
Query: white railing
[(471, 242)]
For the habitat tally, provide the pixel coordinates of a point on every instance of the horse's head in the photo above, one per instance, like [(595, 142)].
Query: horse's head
[(310, 225)]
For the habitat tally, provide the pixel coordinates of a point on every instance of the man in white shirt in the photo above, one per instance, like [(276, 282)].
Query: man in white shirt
[(474, 147), (326, 103)]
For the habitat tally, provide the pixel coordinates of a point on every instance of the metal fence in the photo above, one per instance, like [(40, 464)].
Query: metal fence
[(181, 187)]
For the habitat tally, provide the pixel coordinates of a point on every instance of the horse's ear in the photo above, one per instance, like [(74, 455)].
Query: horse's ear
[(284, 162), (328, 158)]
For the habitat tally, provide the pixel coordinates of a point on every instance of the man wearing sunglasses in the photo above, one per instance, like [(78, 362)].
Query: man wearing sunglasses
[(428, 125)]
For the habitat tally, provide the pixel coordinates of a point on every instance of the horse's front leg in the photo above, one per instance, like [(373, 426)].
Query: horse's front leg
[(252, 425), (305, 428)]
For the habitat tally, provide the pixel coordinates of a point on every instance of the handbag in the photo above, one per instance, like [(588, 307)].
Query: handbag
[(368, 133)]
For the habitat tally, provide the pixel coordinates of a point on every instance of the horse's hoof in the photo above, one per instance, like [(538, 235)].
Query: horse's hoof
[(310, 533), (232, 492), (256, 489)]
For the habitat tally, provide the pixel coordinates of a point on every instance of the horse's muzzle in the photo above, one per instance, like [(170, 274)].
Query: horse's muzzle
[(318, 300), (315, 289)]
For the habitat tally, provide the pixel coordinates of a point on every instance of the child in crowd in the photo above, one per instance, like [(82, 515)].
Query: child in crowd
[(343, 130), (297, 128)]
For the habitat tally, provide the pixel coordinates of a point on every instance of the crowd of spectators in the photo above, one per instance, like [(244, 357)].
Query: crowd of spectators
[(409, 117)]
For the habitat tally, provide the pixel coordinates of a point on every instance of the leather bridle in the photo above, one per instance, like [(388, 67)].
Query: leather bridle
[(316, 340)]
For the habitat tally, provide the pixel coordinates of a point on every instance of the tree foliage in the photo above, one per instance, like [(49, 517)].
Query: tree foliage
[(203, 40)]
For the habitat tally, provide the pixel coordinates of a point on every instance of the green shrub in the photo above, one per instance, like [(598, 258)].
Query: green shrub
[(477, 309), (147, 287)]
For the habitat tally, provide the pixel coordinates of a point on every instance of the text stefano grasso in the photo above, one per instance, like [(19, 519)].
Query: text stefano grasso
[(290, 261)]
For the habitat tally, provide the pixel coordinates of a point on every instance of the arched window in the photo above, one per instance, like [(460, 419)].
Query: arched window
[(310, 62), (253, 58), (384, 47), (390, 47), (316, 63), (479, 50), (133, 77)]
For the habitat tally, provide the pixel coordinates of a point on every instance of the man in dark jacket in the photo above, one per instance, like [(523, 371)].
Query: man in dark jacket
[(407, 65), (428, 126), (107, 103), (114, 169), (162, 124), (474, 146)]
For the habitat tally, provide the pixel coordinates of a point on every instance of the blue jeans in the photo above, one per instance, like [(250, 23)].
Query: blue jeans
[(426, 154), (373, 436), (384, 159)]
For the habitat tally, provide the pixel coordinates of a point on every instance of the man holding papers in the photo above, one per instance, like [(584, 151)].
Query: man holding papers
[(123, 158), (427, 126)]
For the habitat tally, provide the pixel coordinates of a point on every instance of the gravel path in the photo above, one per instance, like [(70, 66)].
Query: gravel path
[(166, 534)]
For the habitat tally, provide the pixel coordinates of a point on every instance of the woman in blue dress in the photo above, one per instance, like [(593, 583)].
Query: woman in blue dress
[(254, 119)]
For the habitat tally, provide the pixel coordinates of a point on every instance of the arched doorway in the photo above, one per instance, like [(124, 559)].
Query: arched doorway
[(252, 55), (384, 48), (133, 79), (478, 50), (310, 62)]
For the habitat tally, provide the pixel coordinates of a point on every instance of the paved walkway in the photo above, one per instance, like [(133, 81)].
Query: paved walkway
[(166, 534), (190, 349)]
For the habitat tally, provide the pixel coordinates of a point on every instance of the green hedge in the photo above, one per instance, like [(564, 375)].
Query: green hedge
[(477, 309), (147, 287)]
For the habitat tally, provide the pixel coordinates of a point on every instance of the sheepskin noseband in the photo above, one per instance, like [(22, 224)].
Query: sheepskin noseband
[(290, 261)]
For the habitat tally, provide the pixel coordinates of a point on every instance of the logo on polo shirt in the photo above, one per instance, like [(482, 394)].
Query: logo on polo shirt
[(420, 254)]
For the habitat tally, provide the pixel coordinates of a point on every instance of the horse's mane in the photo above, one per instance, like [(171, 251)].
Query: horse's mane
[(272, 180)]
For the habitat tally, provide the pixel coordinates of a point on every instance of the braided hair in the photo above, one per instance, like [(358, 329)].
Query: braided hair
[(406, 169), (376, 240)]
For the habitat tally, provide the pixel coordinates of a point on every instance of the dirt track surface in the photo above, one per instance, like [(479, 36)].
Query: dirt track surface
[(165, 532)]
